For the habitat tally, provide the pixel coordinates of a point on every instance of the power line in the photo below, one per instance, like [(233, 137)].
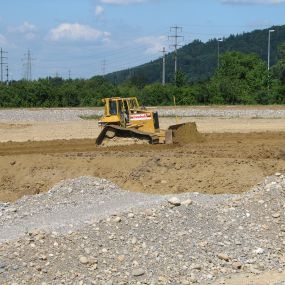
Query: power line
[(163, 65), (2, 63), (176, 44)]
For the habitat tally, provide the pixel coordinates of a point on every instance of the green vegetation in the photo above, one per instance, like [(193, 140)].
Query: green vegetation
[(242, 78), (199, 60), (91, 117)]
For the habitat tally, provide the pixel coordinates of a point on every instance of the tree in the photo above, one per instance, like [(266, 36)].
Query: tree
[(241, 79), (180, 78)]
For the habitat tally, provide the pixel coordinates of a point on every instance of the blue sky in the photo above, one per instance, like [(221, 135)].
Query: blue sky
[(78, 35)]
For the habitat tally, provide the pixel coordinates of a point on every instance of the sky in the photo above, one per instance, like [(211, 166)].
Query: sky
[(83, 38)]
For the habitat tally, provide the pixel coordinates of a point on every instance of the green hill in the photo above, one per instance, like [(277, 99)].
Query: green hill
[(198, 60)]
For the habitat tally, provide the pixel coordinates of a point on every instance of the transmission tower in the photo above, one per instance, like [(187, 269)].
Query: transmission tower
[(175, 37), (2, 63), (104, 64), (163, 65), (28, 66)]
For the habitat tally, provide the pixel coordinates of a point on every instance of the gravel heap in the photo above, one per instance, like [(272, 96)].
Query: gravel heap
[(45, 115), (187, 239), (217, 112), (65, 114)]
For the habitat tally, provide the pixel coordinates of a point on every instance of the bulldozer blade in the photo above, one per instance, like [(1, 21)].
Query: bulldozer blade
[(168, 137), (185, 133)]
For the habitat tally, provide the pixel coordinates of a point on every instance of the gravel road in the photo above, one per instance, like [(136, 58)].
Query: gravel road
[(187, 239), (67, 114)]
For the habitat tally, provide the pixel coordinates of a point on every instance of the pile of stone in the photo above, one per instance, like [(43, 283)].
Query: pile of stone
[(187, 239)]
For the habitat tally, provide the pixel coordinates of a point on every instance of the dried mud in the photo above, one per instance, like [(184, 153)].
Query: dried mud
[(222, 163)]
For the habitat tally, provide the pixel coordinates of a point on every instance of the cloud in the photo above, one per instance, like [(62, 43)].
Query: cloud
[(99, 10), (256, 2), (3, 40), (153, 44), (27, 29), (76, 31), (122, 2)]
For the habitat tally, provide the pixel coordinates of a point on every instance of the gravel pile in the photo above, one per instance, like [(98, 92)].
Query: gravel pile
[(213, 112), (45, 115), (119, 237), (59, 115)]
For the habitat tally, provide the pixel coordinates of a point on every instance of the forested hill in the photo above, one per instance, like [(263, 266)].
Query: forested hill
[(198, 60)]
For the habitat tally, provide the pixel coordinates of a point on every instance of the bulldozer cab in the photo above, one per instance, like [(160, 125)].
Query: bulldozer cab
[(114, 106), (119, 111)]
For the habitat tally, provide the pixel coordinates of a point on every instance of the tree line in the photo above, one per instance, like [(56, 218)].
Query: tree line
[(241, 79), (199, 60)]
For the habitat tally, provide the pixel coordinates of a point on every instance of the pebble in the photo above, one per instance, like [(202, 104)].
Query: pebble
[(138, 272), (237, 265), (187, 202), (259, 250), (276, 215), (223, 256), (117, 219), (174, 201), (83, 259)]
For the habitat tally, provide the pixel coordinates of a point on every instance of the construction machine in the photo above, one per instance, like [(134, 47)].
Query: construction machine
[(125, 118)]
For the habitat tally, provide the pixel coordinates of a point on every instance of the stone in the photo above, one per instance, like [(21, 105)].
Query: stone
[(174, 201), (2, 265), (117, 219), (121, 258), (237, 265), (187, 202), (83, 259), (138, 272), (196, 267), (259, 250), (276, 215), (223, 256)]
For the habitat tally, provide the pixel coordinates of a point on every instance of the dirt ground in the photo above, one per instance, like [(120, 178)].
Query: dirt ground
[(223, 163), (43, 131)]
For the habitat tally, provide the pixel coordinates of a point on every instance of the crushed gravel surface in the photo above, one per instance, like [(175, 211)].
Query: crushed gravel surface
[(45, 115), (128, 239), (68, 114)]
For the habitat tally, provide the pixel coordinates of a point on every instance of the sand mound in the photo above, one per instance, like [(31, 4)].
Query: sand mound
[(186, 133)]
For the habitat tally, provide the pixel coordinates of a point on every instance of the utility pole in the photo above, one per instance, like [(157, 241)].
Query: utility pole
[(219, 40), (2, 63), (163, 65), (269, 47), (104, 64), (268, 61), (176, 44), (69, 74)]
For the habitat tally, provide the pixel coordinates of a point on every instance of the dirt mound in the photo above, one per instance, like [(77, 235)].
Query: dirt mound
[(186, 133), (223, 163)]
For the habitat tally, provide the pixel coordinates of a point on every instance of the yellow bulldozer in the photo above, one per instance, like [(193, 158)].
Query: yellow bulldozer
[(125, 118)]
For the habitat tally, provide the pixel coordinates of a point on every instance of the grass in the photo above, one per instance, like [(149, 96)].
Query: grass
[(90, 117)]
